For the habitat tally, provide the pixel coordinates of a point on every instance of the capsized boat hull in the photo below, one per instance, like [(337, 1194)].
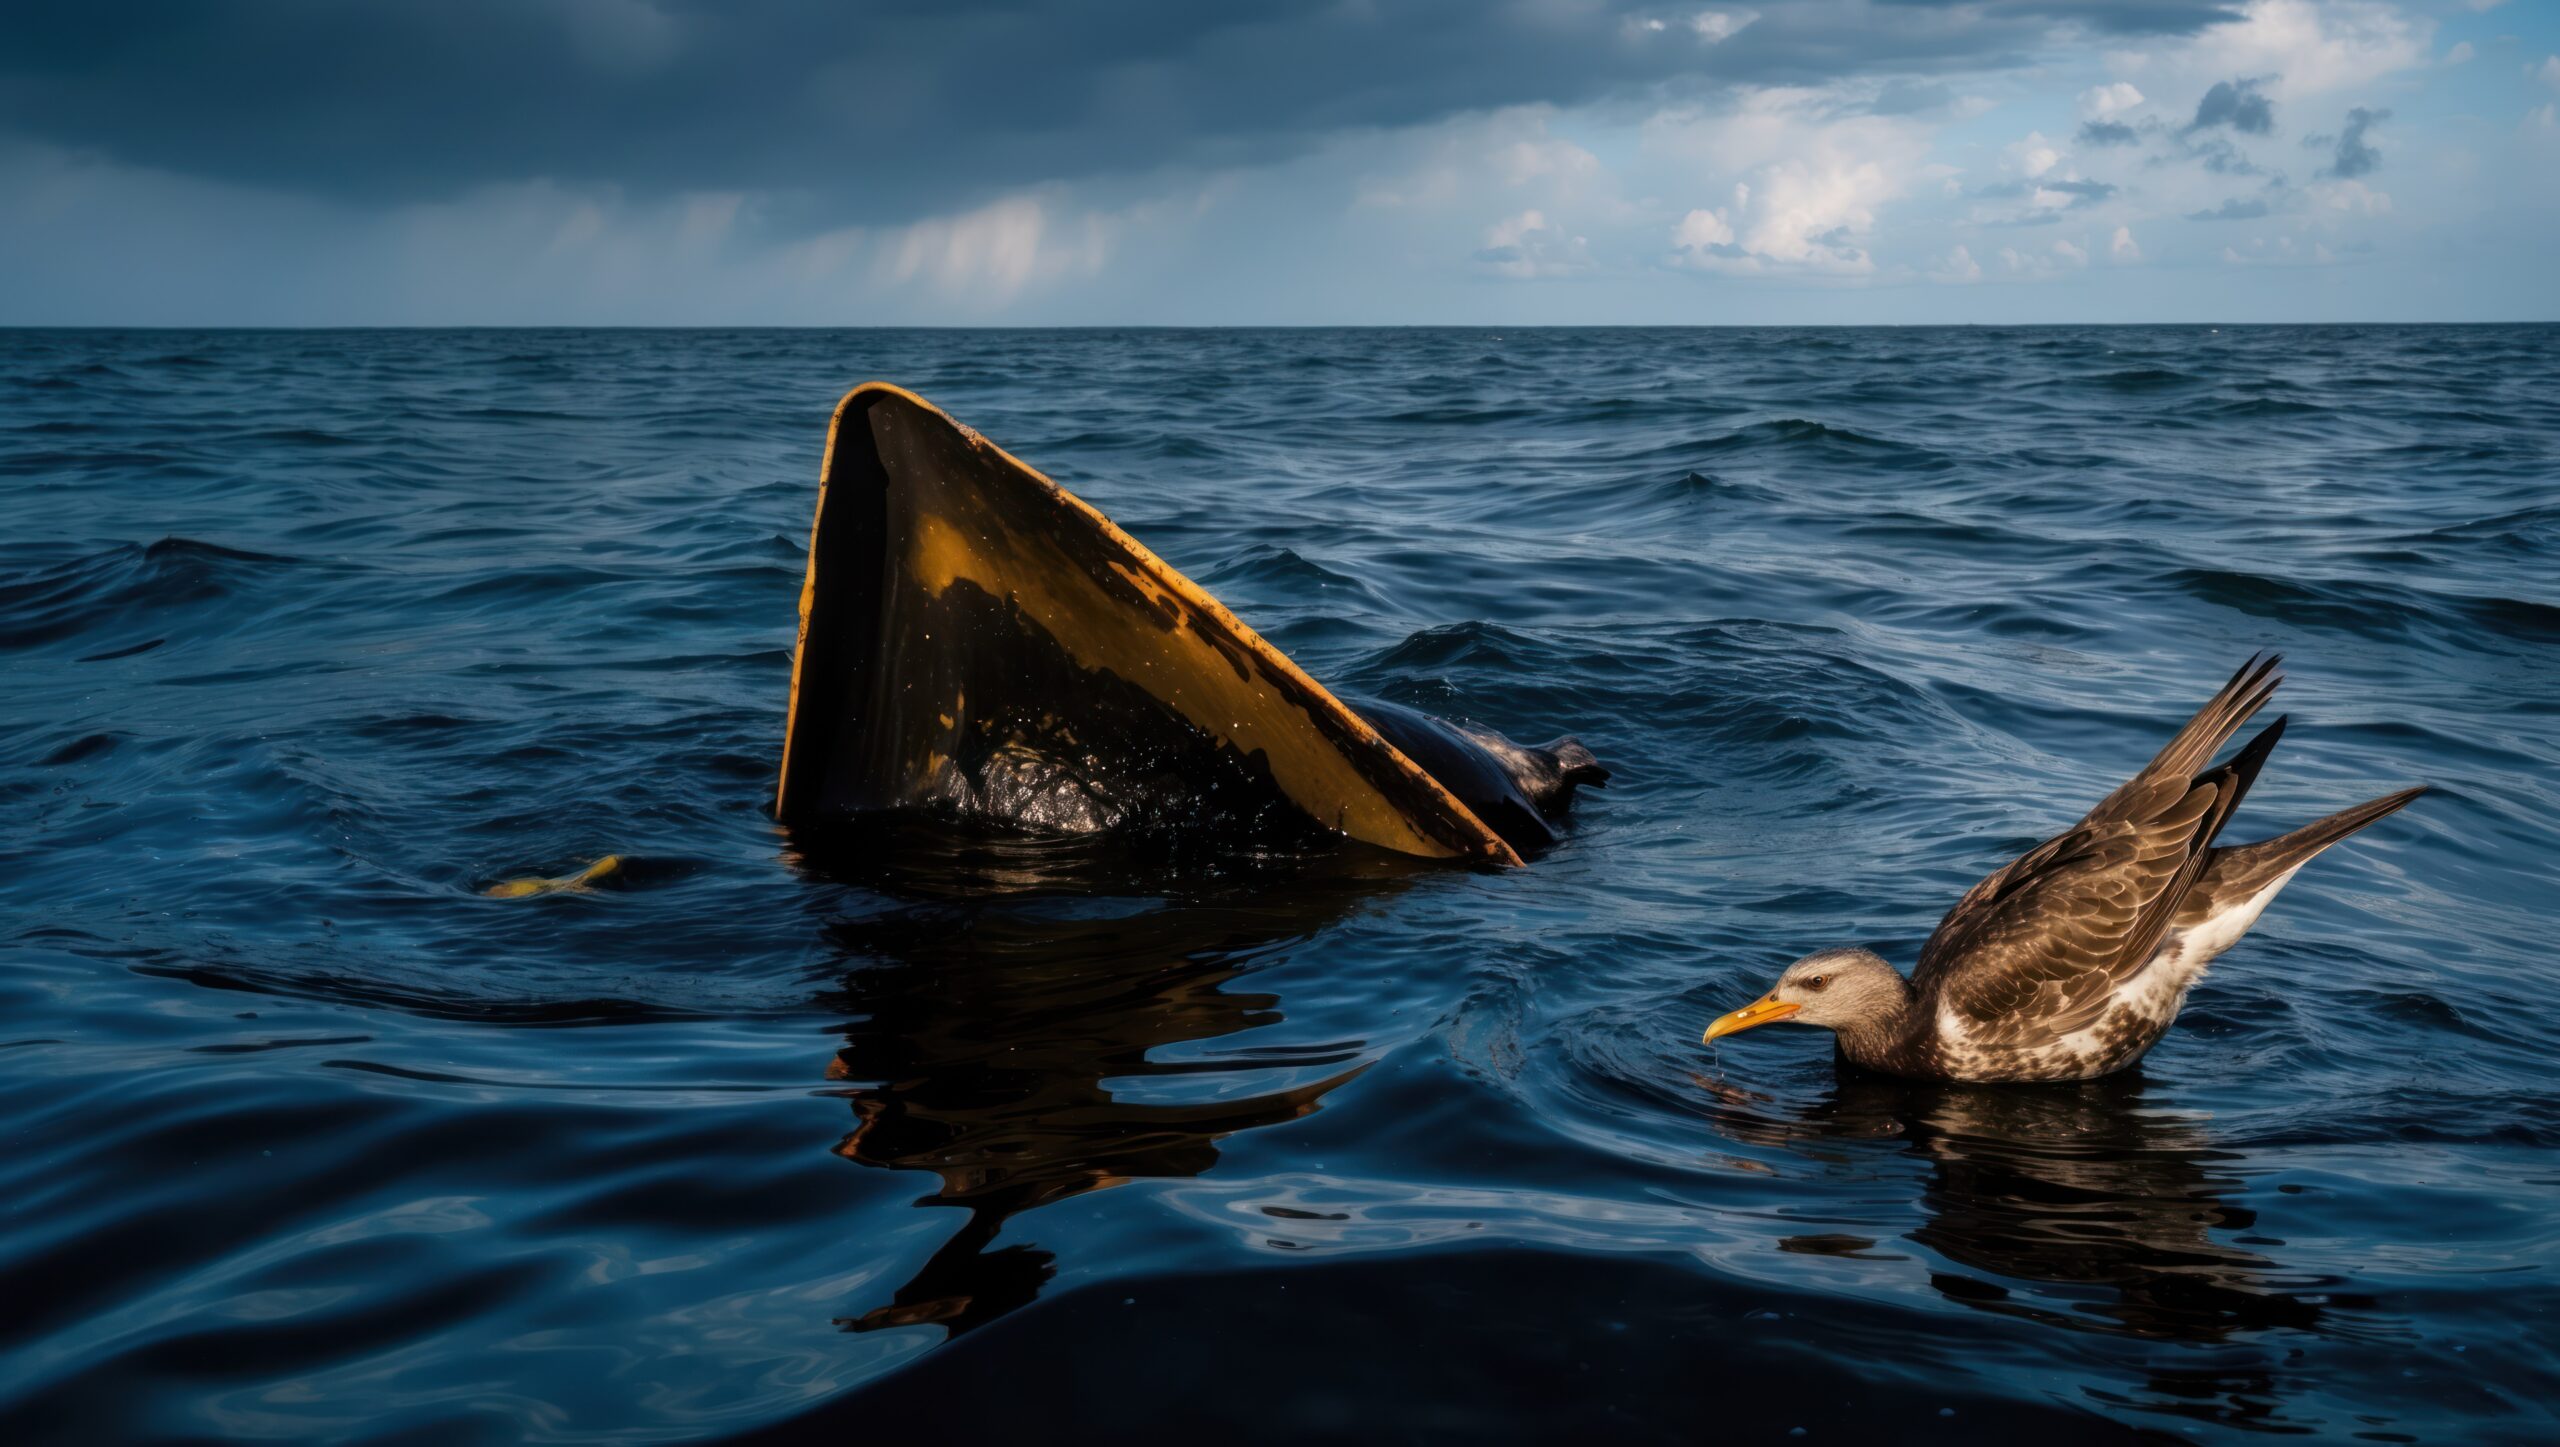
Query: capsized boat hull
[(976, 640)]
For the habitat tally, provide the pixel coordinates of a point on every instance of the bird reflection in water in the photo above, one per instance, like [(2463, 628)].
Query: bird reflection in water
[(998, 988), (2075, 1206)]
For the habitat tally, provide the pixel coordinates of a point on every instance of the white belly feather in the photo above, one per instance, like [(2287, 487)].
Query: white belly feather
[(2156, 992), (2184, 954)]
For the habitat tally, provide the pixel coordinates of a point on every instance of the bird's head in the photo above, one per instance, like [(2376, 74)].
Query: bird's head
[(1835, 989)]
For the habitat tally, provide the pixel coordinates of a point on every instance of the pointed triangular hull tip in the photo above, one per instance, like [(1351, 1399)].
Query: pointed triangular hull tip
[(976, 640)]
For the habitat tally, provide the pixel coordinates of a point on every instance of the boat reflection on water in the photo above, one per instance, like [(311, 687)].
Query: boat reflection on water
[(2087, 1208), (1010, 1000)]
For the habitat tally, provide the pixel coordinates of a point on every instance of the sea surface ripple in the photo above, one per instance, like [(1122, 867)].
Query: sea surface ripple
[(310, 637)]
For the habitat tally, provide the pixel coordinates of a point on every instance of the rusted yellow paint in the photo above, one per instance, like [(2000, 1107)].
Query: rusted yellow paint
[(939, 556), (1198, 658)]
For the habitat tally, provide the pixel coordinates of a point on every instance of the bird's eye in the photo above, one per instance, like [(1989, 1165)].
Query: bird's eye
[(1817, 982)]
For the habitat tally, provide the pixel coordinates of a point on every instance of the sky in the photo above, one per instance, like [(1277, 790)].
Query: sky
[(1249, 162)]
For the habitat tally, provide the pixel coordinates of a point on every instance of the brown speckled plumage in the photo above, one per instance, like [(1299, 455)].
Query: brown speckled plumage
[(2072, 960)]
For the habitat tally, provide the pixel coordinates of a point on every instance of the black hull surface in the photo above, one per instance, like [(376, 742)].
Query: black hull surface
[(976, 641)]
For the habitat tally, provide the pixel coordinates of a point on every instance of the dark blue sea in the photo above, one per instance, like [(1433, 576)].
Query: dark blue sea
[(310, 637)]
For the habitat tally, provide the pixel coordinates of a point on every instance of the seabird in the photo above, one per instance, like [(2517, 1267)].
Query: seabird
[(2070, 962)]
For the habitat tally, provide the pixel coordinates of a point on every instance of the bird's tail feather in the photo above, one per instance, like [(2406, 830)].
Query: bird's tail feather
[(2290, 851)]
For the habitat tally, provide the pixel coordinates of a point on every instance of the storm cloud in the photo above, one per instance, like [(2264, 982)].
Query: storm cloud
[(2356, 156), (886, 111), (1104, 162), (2238, 104)]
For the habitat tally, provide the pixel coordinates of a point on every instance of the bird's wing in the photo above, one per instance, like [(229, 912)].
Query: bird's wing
[(2185, 757), (2039, 945), (2213, 725)]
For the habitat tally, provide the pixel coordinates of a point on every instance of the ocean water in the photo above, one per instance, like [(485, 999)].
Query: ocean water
[(310, 637)]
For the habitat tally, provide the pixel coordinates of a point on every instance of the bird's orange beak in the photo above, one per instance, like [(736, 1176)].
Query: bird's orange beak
[(1767, 1010)]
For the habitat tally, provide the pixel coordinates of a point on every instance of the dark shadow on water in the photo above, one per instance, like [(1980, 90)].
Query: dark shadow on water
[(2082, 1187), (1001, 988), (1027, 1018), (2089, 1209)]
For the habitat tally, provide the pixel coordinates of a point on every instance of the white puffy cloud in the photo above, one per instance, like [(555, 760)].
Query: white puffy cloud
[(1714, 26), (1808, 182), (1703, 231), (1704, 27), (2034, 155), (2298, 49), (1436, 187), (1708, 27), (2106, 102), (1528, 245), (2122, 248), (2353, 198)]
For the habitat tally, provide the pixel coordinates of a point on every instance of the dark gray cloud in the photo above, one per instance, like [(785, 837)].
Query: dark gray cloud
[(1904, 96), (2083, 193), (2107, 133), (2221, 157), (2238, 104), (858, 110), (2113, 17), (2232, 209), (2356, 156)]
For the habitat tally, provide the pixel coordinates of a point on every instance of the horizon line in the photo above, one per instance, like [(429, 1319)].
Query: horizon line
[(1218, 326)]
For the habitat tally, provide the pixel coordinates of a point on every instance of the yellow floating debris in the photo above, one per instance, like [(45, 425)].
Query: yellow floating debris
[(584, 879)]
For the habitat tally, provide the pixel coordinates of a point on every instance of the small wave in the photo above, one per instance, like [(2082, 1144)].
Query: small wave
[(2515, 617), (312, 437), (2365, 608), (2141, 379), (128, 651), (2533, 528), (2244, 408), (175, 549), (126, 586), (1794, 437), (1286, 568), (79, 750), (1460, 416), (1474, 644), (1694, 486)]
